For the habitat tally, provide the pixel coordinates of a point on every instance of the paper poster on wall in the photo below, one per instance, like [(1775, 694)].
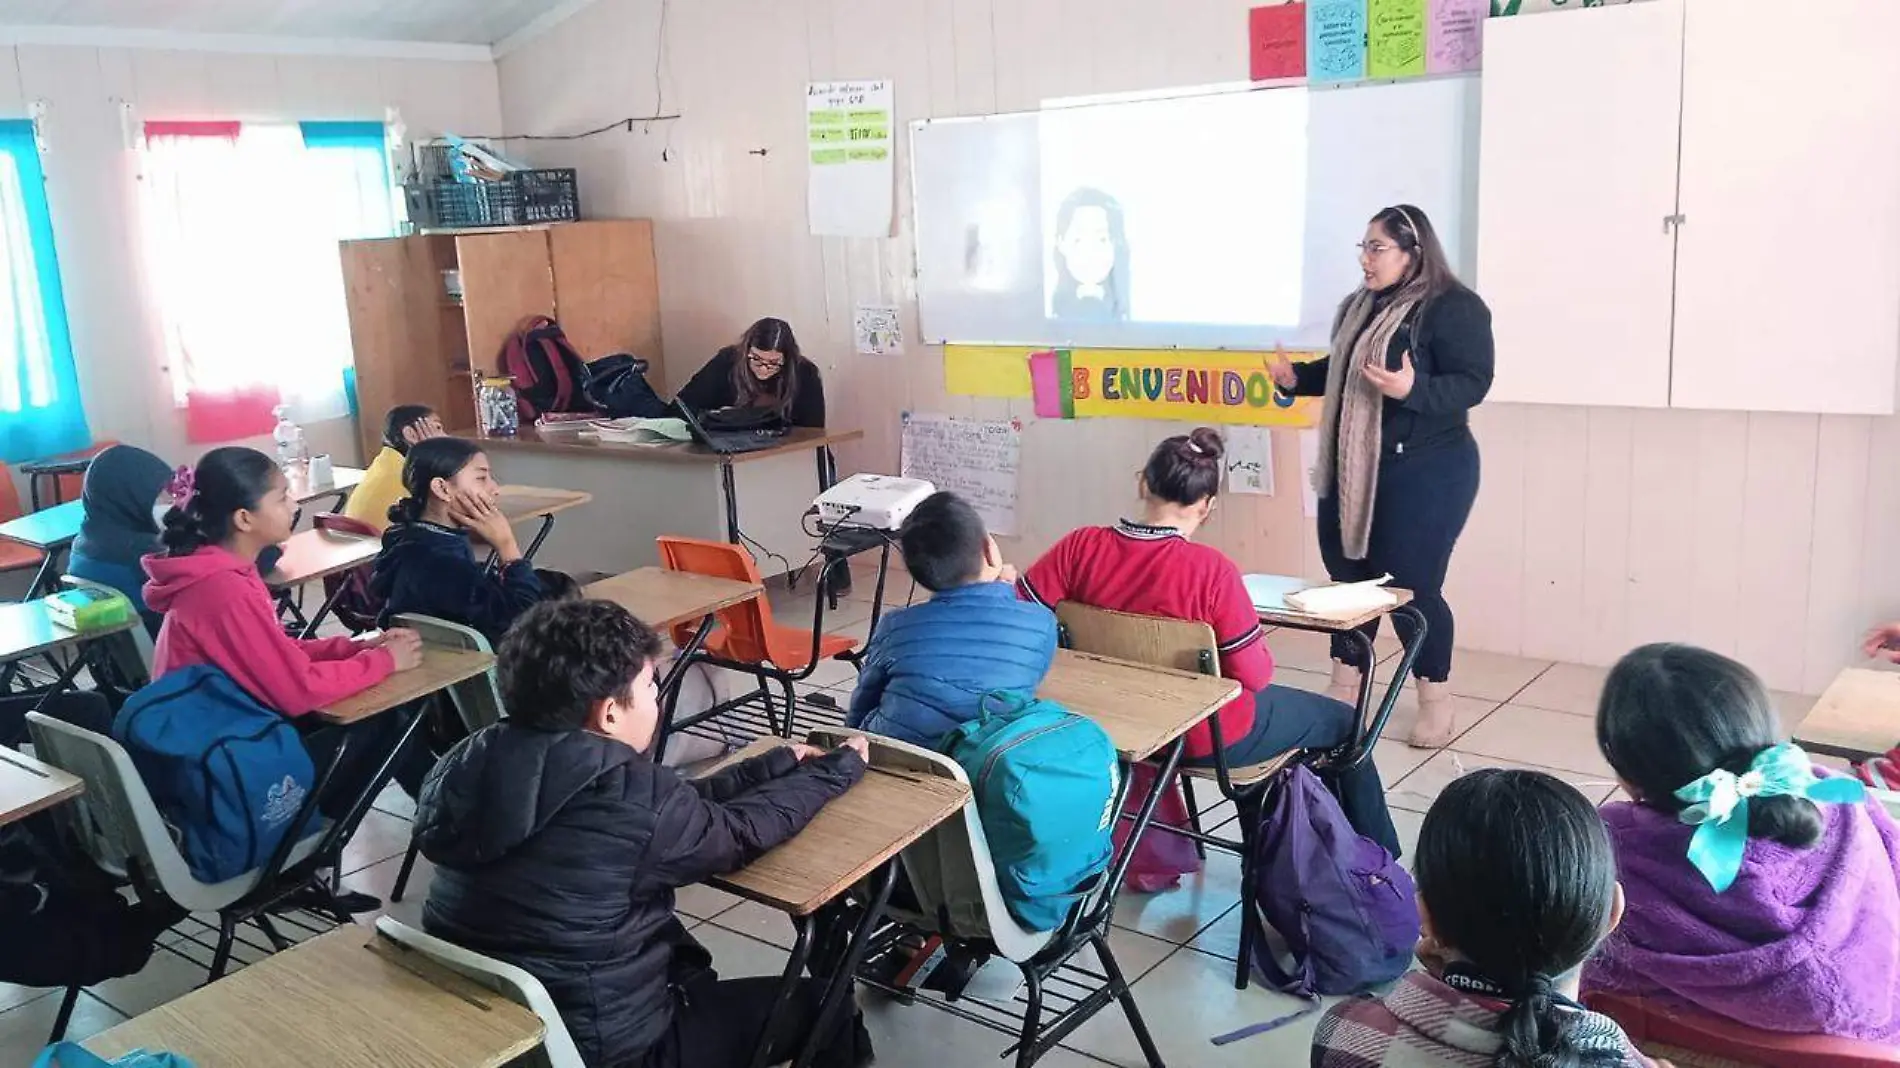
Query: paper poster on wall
[(876, 330), (849, 147), (1276, 42), (976, 459), (1454, 35), (1395, 38), (1531, 7), (1309, 461), (1335, 40), (1250, 460), (1207, 386)]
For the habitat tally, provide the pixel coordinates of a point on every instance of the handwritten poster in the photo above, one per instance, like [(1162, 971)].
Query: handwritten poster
[(1335, 40), (1454, 35), (1250, 460), (848, 135), (976, 459), (1309, 462), (1276, 41), (1529, 7), (1395, 38), (877, 331)]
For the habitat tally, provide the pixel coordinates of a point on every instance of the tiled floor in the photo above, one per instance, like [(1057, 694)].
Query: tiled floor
[(1178, 946)]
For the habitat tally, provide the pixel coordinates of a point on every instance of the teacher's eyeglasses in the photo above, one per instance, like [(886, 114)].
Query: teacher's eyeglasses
[(1374, 249), (764, 363)]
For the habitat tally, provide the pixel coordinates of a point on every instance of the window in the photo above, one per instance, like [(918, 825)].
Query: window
[(243, 222), (40, 412)]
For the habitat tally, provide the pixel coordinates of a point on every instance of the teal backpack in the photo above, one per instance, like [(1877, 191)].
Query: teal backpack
[(1045, 781)]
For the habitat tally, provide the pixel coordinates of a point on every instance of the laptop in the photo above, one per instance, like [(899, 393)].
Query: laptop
[(727, 442)]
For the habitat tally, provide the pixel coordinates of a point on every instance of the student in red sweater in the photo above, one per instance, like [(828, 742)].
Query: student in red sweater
[(1154, 568), (218, 611)]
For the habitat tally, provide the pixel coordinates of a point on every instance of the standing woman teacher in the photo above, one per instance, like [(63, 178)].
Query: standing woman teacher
[(1398, 468)]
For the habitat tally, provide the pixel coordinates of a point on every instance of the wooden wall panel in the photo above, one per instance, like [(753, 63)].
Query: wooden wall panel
[(606, 291), (505, 278)]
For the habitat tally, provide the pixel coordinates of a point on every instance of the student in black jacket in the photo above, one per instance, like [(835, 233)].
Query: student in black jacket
[(558, 844), (428, 563), (764, 370), (1411, 355)]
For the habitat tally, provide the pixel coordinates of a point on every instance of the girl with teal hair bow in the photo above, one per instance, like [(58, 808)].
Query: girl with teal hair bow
[(1761, 889)]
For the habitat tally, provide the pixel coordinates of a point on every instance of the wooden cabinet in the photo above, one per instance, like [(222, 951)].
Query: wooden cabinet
[(414, 344), (1693, 204)]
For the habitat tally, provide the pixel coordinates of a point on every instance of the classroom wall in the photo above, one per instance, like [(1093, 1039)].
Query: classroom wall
[(1761, 536), (92, 188)]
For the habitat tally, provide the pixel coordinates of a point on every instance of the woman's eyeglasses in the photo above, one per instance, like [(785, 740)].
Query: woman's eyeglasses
[(766, 364), (1374, 249)]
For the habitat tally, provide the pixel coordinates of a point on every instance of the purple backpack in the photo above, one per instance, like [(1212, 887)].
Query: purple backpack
[(1345, 908)]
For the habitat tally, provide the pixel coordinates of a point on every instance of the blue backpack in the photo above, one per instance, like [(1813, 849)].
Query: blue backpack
[(228, 774), (1044, 780)]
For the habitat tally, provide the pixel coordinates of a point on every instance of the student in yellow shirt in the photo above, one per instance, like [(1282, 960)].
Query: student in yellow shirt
[(381, 487)]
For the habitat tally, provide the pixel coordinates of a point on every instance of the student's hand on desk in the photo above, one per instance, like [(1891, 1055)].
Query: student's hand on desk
[(404, 645), (1883, 642), (860, 745), (486, 522), (806, 752)]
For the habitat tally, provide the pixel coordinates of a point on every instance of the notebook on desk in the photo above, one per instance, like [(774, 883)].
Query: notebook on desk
[(1269, 591)]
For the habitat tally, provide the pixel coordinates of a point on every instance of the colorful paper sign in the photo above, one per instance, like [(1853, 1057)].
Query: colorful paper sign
[(876, 330), (1454, 35), (1276, 41), (986, 371), (1184, 385), (848, 134), (1335, 40), (1395, 38)]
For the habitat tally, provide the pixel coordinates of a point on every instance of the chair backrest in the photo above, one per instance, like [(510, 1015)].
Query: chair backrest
[(950, 867), (9, 495), (1650, 1024), (71, 486), (1181, 644), (557, 1047), (477, 700), (750, 633), (115, 821), (131, 651)]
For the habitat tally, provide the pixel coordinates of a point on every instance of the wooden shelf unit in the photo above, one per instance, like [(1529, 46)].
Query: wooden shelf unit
[(415, 344)]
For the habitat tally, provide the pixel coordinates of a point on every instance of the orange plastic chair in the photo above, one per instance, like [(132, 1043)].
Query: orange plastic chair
[(1665, 1031), (13, 555), (71, 486), (746, 637)]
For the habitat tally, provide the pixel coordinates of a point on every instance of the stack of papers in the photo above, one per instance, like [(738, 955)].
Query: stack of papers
[(1345, 600), (633, 431)]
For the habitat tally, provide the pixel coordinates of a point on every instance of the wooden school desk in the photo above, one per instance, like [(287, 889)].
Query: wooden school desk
[(643, 491), (51, 531), (441, 668), (341, 1000), (1371, 723), (1856, 718), (853, 836), (313, 555), (521, 503), (27, 629), (28, 786), (342, 481)]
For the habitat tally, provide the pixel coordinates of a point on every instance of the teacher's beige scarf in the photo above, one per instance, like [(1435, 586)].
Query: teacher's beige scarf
[(1349, 440)]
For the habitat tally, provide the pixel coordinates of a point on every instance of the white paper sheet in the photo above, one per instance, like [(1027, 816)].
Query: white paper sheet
[(1250, 460), (877, 331), (849, 153), (973, 458)]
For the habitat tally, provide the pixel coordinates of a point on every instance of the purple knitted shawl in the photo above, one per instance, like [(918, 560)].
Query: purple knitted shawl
[(1806, 941)]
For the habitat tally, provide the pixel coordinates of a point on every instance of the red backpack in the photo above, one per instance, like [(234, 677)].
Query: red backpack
[(549, 376)]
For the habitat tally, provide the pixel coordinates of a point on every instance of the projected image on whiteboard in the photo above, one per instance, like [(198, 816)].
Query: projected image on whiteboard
[(1155, 212)]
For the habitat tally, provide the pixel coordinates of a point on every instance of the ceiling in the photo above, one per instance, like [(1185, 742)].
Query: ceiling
[(476, 22)]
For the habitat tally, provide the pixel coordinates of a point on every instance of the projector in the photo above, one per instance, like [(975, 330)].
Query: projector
[(881, 502)]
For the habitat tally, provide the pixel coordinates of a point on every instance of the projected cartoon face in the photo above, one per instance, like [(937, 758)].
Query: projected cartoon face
[(1087, 248)]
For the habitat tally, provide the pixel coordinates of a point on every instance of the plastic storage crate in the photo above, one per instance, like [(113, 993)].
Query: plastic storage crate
[(524, 198)]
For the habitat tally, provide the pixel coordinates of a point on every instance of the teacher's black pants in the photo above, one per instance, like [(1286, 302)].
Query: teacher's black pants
[(1425, 496)]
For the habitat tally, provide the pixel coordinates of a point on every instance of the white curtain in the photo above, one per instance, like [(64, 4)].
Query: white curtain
[(243, 226)]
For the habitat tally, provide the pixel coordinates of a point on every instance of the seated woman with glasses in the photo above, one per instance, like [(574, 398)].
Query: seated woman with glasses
[(764, 370)]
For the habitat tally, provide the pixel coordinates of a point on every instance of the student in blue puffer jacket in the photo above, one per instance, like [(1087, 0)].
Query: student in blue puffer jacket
[(929, 666)]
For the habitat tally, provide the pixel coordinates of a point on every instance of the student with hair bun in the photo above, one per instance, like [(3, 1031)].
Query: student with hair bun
[(428, 563), (1152, 566), (1761, 888), (225, 512), (1516, 887)]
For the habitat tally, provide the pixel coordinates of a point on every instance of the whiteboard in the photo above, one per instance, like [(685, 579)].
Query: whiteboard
[(1238, 210)]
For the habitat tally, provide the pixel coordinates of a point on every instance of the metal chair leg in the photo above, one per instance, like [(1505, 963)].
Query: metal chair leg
[(1124, 993), (791, 709), (1032, 1020), (65, 1017), (402, 874), (221, 958), (1194, 816)]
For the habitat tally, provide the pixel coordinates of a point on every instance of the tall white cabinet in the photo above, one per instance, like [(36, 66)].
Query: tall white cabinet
[(1694, 204)]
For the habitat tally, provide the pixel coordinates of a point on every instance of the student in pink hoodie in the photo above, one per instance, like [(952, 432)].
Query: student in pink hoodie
[(218, 611)]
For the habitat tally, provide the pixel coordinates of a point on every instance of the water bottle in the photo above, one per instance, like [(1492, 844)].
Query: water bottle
[(292, 451)]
